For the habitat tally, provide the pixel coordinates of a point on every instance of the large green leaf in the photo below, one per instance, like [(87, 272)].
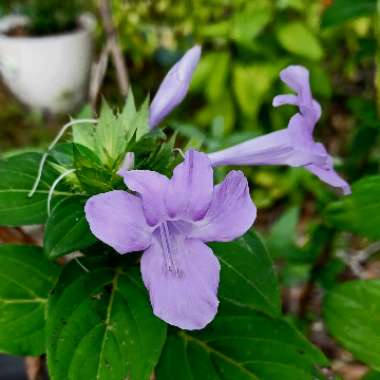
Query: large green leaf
[(101, 326), (67, 229), (372, 375), (18, 174), (352, 315), (240, 345), (26, 278), (298, 39), (247, 276), (360, 212), (343, 10)]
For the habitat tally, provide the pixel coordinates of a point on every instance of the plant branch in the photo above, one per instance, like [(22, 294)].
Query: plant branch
[(114, 48)]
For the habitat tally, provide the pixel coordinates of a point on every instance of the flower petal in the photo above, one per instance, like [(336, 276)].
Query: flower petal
[(297, 78), (127, 164), (186, 298), (152, 187), (231, 212), (331, 177), (284, 147), (117, 219), (190, 189), (174, 86)]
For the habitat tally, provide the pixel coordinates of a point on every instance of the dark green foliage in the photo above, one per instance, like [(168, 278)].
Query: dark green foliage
[(343, 10), (100, 325), (26, 278), (351, 312), (18, 174), (54, 16)]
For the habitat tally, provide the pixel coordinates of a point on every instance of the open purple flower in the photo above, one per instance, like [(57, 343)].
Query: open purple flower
[(171, 220), (293, 146), (174, 86)]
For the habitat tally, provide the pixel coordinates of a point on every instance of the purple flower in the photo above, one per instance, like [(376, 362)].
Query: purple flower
[(174, 86), (293, 146), (171, 220)]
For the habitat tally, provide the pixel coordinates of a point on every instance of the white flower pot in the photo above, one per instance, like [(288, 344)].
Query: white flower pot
[(47, 73)]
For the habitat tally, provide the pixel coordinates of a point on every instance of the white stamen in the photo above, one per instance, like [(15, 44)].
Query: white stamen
[(169, 251), (51, 146), (54, 185)]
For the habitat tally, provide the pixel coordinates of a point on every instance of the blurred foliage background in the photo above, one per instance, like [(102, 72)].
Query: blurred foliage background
[(245, 45)]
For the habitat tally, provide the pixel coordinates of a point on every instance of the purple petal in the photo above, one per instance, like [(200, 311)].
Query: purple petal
[(186, 298), (128, 163), (152, 187), (281, 100), (190, 189), (117, 219), (174, 86), (331, 177), (277, 148), (297, 78), (231, 213)]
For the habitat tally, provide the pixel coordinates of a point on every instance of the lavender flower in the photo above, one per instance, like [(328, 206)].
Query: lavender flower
[(174, 86), (171, 220), (293, 146)]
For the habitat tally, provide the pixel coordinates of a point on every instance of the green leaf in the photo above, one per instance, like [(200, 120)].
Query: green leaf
[(128, 115), (240, 345), (247, 276), (249, 22), (18, 174), (342, 10), (351, 312), (250, 97), (360, 212), (67, 229), (101, 326), (110, 138), (281, 241), (84, 134), (141, 120), (372, 375), (92, 175), (296, 38), (26, 278)]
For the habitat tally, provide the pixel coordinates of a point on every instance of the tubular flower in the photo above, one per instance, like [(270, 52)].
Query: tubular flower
[(174, 86), (170, 220), (293, 146)]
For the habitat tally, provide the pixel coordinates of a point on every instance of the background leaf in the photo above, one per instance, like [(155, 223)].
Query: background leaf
[(67, 229), (351, 312), (18, 174), (360, 212), (26, 278), (240, 345), (298, 39), (101, 326), (247, 276), (342, 10)]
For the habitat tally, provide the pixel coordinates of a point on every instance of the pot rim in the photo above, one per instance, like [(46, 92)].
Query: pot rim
[(87, 24)]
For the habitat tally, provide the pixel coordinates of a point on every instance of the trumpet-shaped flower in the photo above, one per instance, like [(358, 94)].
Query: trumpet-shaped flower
[(174, 86), (293, 146), (170, 220)]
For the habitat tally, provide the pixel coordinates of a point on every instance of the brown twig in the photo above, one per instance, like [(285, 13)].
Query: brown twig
[(34, 367), (114, 48)]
